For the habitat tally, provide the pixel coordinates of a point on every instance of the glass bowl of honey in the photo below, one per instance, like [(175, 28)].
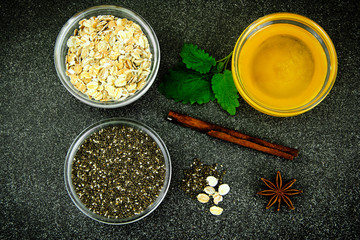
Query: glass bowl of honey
[(284, 64)]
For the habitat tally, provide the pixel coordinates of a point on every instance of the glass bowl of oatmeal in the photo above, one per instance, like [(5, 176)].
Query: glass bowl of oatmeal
[(117, 171), (107, 56)]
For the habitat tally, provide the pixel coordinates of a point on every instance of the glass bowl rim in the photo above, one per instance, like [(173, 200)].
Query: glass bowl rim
[(88, 131), (61, 40), (325, 42)]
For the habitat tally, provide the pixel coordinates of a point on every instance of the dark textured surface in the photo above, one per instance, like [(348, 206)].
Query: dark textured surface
[(40, 119)]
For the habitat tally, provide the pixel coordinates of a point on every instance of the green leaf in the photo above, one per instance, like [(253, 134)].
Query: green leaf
[(196, 58), (187, 87), (225, 91)]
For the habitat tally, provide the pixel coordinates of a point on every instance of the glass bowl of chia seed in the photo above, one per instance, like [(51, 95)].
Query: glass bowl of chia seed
[(117, 171), (107, 56)]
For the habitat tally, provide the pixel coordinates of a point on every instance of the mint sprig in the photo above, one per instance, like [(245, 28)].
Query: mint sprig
[(199, 78)]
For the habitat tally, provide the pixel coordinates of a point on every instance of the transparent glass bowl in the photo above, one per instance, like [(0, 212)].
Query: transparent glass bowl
[(67, 30), (78, 142), (308, 25)]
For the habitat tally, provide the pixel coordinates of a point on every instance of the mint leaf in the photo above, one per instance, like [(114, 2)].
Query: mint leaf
[(187, 87), (225, 91), (196, 58)]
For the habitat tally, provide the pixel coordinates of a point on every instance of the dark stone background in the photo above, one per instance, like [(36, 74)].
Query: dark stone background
[(40, 119)]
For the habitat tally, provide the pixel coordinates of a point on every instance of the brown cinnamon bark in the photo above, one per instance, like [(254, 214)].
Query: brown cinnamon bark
[(232, 136)]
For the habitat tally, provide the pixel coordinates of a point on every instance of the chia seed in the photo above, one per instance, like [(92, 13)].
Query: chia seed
[(118, 172)]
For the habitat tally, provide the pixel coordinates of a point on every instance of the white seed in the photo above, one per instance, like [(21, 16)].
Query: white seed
[(212, 181), (209, 190), (215, 210), (203, 198), (217, 198), (224, 189)]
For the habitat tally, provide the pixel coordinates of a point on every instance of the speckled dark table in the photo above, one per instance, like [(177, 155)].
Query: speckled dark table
[(40, 119)]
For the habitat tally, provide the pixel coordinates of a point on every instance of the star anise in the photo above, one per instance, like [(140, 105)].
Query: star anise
[(279, 192)]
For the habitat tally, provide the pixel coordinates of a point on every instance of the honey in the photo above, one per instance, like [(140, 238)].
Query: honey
[(282, 66)]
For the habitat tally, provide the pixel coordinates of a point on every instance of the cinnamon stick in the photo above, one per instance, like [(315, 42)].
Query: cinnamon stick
[(232, 136)]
